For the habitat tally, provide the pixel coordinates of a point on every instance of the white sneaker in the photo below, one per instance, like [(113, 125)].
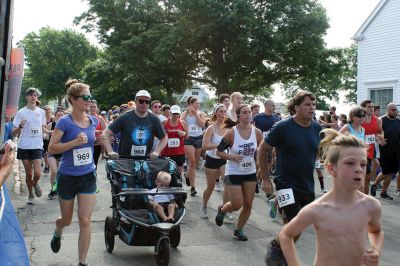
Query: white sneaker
[(323, 191), (397, 193), (229, 218), (218, 186), (203, 212), (30, 200)]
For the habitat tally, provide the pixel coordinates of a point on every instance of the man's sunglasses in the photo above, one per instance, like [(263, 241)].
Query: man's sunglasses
[(359, 115), (86, 98), (157, 106), (144, 101)]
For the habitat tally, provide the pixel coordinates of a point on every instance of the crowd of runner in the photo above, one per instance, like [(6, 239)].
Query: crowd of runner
[(240, 149)]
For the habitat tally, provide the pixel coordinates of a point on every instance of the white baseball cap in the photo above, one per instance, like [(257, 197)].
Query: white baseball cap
[(143, 93), (175, 109)]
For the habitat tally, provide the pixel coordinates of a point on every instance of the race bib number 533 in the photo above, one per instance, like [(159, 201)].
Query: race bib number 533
[(285, 197)]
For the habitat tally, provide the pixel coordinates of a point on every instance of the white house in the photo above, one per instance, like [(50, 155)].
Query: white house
[(378, 39), (196, 91)]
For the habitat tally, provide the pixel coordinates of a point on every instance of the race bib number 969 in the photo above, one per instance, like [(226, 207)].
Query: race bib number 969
[(285, 197), (82, 156)]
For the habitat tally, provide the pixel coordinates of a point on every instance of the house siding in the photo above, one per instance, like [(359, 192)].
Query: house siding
[(379, 53)]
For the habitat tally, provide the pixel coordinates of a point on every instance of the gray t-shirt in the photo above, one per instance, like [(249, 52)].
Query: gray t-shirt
[(137, 133), (296, 149)]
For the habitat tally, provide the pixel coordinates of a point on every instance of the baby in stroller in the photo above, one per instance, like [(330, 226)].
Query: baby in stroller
[(164, 202)]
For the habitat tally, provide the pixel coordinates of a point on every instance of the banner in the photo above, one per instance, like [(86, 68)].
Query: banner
[(15, 75), (12, 244)]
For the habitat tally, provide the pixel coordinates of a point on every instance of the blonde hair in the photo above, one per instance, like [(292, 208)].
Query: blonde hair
[(74, 88), (164, 177), (333, 142)]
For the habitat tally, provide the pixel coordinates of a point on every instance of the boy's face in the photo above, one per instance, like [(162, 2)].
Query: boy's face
[(351, 168), (162, 183)]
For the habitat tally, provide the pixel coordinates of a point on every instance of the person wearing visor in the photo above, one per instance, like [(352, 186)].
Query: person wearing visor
[(138, 129)]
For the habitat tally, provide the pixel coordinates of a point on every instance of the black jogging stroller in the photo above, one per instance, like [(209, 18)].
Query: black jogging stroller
[(133, 219)]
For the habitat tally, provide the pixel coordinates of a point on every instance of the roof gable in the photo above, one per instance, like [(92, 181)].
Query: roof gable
[(359, 34)]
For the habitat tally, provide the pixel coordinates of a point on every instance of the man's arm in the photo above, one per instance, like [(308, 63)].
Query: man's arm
[(6, 164), (262, 156), (108, 136)]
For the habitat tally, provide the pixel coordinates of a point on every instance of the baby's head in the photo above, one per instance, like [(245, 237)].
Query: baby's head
[(163, 179)]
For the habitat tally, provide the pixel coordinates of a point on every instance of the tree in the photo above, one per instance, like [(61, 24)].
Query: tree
[(350, 73), (229, 45), (53, 56)]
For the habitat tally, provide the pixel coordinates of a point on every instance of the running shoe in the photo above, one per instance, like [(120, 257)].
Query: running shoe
[(323, 191), (38, 190), (397, 193), (30, 199), (218, 186), (239, 235), (273, 210), (385, 195), (257, 188), (379, 187), (203, 212), (82, 264), (193, 191), (52, 195), (186, 179), (46, 170), (373, 190), (229, 218), (275, 256), (55, 243), (219, 219)]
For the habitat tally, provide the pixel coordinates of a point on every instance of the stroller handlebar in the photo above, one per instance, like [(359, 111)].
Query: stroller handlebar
[(145, 191)]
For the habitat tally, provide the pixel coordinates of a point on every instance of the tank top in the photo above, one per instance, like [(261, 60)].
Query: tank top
[(245, 147), (391, 131), (194, 129), (215, 139), (357, 134), (371, 129), (175, 145)]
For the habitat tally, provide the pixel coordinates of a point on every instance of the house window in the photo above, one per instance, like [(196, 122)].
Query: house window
[(195, 93), (381, 97)]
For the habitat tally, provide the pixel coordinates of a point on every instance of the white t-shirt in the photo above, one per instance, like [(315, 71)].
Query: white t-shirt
[(164, 198), (31, 135)]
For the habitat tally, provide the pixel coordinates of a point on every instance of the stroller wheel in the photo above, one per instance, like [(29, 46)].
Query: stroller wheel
[(109, 234), (175, 236), (162, 251)]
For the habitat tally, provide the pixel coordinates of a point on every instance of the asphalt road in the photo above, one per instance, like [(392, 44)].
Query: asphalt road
[(202, 242)]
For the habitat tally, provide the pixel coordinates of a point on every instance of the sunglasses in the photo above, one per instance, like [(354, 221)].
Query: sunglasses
[(144, 101), (359, 116), (157, 106), (86, 98)]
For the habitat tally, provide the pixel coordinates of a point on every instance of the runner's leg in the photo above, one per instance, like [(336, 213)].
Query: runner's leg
[(86, 203)]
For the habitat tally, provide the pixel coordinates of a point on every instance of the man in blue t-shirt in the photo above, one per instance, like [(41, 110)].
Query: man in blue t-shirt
[(265, 121), (138, 128), (296, 140)]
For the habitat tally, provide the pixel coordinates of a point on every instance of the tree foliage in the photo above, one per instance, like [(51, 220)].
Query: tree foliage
[(349, 73), (52, 57), (229, 45)]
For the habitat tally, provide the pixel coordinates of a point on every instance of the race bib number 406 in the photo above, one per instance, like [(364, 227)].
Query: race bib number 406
[(285, 197), (138, 150), (246, 164), (82, 156)]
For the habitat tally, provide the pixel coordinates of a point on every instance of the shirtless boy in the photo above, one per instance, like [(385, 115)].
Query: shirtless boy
[(343, 217)]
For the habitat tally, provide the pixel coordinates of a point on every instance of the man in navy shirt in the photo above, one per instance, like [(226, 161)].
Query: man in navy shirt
[(296, 140), (265, 121)]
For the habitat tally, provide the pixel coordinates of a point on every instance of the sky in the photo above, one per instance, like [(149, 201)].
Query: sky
[(345, 18)]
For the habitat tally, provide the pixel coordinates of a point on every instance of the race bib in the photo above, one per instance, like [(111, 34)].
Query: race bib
[(285, 197), (174, 143), (34, 132), (138, 150), (82, 156), (140, 134), (193, 128), (317, 164), (265, 133), (246, 164), (369, 139)]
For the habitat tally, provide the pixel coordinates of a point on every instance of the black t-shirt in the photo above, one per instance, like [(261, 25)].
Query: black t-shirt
[(137, 133), (296, 148), (391, 131)]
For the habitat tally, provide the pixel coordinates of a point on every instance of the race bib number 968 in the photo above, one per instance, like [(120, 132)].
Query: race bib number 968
[(138, 150)]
